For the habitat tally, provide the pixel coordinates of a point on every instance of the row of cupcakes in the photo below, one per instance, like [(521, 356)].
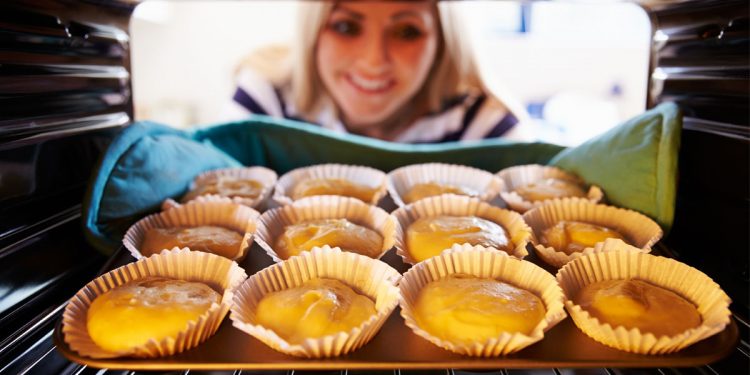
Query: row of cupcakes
[(408, 185), (369, 230), (386, 288), (521, 187)]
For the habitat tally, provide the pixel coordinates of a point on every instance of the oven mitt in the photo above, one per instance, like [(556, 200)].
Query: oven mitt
[(283, 145), (147, 163), (634, 163), (143, 165)]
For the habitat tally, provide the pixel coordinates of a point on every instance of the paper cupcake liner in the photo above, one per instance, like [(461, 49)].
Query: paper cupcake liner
[(639, 230), (272, 223), (355, 173), (218, 211), (620, 261), (370, 277), (181, 264), (456, 205), (170, 203), (518, 176), (484, 263), (401, 180)]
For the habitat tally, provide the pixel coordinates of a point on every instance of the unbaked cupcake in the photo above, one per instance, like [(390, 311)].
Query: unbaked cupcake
[(216, 225), (354, 181), (336, 221), (662, 305), (249, 186), (432, 225), (529, 186), (418, 181), (177, 286), (298, 293), (479, 285), (565, 229)]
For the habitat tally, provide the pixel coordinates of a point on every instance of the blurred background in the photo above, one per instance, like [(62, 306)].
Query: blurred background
[(579, 67)]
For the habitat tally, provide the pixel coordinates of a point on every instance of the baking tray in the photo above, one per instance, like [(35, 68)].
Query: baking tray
[(396, 347)]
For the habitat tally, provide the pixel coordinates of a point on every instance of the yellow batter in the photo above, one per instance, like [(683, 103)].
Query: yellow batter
[(208, 239), (431, 189), (333, 186), (228, 186), (573, 236), (637, 304), (550, 188), (429, 236), (153, 308), (318, 307), (332, 232), (469, 309)]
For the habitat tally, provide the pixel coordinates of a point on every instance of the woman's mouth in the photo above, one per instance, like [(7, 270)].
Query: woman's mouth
[(370, 85)]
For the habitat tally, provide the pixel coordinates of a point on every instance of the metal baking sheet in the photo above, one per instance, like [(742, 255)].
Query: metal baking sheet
[(396, 347)]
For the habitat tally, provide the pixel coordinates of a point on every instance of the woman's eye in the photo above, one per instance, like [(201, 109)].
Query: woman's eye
[(407, 32), (348, 28)]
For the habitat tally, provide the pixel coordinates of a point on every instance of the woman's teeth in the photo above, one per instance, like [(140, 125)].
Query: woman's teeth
[(370, 84)]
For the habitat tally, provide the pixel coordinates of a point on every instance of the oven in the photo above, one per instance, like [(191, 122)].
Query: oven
[(65, 92)]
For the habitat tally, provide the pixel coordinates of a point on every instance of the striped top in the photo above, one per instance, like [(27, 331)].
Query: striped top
[(466, 117)]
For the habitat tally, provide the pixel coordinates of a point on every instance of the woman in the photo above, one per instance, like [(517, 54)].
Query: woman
[(397, 71)]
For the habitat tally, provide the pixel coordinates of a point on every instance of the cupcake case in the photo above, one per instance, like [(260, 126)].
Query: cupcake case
[(397, 347)]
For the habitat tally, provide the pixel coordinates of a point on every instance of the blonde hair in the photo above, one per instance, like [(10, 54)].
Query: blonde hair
[(453, 73), (307, 89)]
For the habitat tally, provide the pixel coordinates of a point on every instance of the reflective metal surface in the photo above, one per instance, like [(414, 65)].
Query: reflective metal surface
[(64, 93), (700, 58)]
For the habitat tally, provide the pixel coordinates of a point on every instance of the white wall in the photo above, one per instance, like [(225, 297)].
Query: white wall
[(184, 54), (573, 56)]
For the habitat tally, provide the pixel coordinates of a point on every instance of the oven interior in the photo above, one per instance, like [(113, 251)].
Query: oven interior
[(66, 91)]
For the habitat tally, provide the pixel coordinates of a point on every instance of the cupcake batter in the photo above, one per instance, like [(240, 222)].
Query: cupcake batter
[(550, 188), (637, 304), (431, 189), (317, 308), (469, 309), (333, 186), (152, 308), (574, 236), (208, 239), (429, 236), (332, 232), (228, 186)]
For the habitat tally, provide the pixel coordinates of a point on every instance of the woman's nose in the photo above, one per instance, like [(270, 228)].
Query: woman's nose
[(375, 54)]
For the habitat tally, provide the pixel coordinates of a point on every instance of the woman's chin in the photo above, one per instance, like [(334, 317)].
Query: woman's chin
[(360, 121)]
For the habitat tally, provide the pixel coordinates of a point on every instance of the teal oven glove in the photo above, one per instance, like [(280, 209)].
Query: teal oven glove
[(144, 164)]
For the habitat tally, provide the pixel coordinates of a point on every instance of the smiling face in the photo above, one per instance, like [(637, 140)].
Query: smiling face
[(373, 57)]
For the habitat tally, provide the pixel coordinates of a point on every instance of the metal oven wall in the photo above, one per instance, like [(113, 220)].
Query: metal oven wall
[(64, 93)]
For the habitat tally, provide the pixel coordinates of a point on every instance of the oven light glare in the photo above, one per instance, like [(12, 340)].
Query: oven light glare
[(660, 36), (659, 74)]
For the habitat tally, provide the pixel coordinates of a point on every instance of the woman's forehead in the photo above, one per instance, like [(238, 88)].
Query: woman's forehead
[(393, 9)]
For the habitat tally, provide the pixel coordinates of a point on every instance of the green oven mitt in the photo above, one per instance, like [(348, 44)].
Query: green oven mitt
[(634, 163)]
